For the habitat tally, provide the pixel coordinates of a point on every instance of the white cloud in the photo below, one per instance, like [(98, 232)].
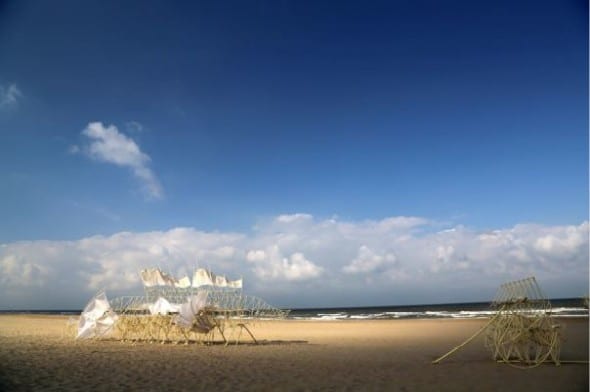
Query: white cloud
[(294, 218), (272, 264), (302, 261), (369, 261), (9, 96), (107, 144)]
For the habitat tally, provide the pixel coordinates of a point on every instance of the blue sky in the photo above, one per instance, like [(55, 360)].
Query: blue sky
[(223, 117)]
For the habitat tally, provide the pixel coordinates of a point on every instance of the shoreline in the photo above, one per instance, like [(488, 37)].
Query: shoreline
[(36, 354)]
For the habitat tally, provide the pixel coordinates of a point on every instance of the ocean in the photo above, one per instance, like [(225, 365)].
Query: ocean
[(568, 307)]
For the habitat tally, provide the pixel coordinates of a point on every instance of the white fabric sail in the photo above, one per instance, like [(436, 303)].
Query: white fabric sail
[(96, 318), (235, 284), (189, 310), (183, 282), (154, 277), (163, 307), (220, 281), (202, 277)]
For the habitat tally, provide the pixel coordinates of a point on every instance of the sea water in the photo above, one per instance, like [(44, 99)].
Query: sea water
[(569, 307)]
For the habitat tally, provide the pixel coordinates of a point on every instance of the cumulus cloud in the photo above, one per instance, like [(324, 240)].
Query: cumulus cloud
[(369, 261), (9, 96), (272, 264), (107, 144), (299, 260)]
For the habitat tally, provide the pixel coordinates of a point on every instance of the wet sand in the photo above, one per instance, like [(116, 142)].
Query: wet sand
[(38, 353)]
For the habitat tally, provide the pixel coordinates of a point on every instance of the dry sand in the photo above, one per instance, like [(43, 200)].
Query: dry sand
[(394, 355)]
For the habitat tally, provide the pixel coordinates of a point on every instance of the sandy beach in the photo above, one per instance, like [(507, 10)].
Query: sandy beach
[(36, 353)]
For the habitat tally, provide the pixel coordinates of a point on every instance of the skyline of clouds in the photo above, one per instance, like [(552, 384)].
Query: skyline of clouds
[(107, 144), (298, 260)]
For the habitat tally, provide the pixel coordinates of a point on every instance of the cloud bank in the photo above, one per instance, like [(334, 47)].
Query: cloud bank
[(107, 144), (298, 260)]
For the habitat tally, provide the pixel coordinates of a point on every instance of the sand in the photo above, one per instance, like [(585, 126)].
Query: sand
[(387, 355)]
